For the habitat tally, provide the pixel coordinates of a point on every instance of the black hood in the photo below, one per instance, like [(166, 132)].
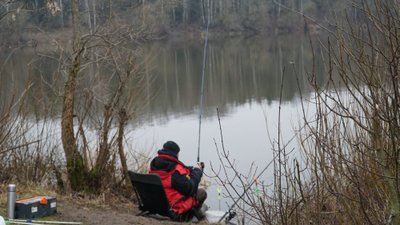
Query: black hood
[(159, 163)]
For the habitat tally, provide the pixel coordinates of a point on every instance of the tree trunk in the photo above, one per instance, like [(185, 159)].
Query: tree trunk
[(76, 168), (94, 14), (104, 151), (203, 14), (185, 12), (89, 21), (101, 171), (123, 118), (62, 13), (110, 10), (143, 12)]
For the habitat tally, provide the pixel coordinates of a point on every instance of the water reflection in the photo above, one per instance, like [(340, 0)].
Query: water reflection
[(238, 71)]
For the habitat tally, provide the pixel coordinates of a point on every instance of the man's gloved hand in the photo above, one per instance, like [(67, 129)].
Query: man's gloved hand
[(199, 165)]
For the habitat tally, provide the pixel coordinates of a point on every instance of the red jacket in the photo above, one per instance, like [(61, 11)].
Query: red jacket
[(179, 203)]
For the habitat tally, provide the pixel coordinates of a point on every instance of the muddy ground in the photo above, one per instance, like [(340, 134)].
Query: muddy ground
[(98, 211), (90, 214)]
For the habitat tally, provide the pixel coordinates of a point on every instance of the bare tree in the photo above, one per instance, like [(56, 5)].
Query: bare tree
[(350, 171), (107, 47), (350, 144)]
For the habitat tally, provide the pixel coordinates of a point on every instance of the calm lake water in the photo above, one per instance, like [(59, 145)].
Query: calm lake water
[(242, 80)]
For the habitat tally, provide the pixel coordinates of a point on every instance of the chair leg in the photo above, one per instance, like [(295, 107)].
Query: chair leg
[(142, 213)]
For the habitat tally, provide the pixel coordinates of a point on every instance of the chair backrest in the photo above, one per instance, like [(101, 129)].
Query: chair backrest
[(151, 193)]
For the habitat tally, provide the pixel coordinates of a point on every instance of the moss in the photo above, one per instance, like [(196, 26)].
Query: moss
[(77, 175)]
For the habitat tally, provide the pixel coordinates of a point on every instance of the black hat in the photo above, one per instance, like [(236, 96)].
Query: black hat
[(171, 146)]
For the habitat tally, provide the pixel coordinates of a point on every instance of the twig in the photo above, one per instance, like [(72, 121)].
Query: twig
[(19, 146)]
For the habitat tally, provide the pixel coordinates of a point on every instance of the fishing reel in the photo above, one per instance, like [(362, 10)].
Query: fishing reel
[(230, 216), (201, 164)]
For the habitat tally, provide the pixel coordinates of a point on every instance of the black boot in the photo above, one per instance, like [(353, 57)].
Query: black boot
[(200, 212)]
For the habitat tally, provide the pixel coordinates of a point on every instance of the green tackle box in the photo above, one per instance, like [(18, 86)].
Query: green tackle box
[(35, 207)]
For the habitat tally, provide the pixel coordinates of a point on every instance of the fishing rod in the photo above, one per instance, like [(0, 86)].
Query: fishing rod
[(254, 181), (245, 191), (202, 79), (32, 222)]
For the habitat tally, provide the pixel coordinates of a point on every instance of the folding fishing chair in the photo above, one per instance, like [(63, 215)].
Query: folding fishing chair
[(150, 194)]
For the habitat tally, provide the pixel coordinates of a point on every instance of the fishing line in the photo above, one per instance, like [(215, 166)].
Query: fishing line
[(202, 79)]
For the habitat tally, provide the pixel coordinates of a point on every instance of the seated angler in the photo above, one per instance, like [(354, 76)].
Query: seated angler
[(180, 183)]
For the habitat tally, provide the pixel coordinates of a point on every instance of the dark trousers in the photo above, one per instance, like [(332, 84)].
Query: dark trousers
[(200, 196)]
